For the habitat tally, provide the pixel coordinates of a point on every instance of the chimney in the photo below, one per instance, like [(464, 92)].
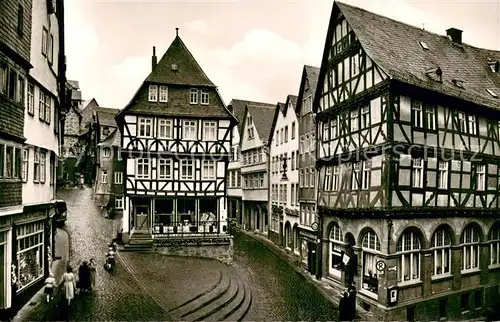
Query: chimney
[(153, 59), (455, 35)]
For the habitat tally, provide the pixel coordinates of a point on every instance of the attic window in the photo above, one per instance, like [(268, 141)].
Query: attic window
[(492, 93), (173, 66), (424, 45), (495, 66), (458, 83)]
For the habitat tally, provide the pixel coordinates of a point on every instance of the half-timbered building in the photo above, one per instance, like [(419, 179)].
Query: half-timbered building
[(408, 155), (234, 180), (254, 170), (176, 145), (307, 237), (283, 149)]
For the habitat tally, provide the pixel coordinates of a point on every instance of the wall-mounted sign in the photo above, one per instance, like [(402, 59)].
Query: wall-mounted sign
[(392, 268), (315, 226), (380, 266)]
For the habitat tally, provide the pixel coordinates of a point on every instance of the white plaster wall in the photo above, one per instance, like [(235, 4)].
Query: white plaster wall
[(247, 143), (288, 147), (38, 192)]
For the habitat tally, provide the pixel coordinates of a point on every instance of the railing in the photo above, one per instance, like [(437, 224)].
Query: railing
[(189, 229)]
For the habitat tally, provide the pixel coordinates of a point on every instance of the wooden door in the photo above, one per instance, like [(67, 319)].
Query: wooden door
[(141, 218)]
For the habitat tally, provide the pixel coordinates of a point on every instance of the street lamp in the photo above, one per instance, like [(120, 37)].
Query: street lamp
[(284, 177)]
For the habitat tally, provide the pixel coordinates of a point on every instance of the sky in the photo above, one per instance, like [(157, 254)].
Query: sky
[(250, 49)]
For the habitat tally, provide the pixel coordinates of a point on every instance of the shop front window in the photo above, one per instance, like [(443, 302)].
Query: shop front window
[(370, 248), (164, 215), (29, 253)]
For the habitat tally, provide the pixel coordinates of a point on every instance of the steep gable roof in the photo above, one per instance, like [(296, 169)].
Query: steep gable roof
[(280, 107), (188, 71), (262, 117), (290, 99), (106, 116), (309, 74), (239, 107), (395, 47)]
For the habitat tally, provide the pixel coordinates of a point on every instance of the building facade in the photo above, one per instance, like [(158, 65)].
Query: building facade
[(108, 182), (283, 176), (307, 238), (235, 180), (408, 164), (176, 144), (31, 72), (254, 170)]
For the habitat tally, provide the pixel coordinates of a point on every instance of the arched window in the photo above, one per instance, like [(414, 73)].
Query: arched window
[(470, 248), (409, 260), (288, 236), (441, 256), (336, 247), (370, 249), (494, 240)]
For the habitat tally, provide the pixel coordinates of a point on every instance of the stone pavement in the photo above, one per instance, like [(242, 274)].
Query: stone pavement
[(58, 267), (330, 293)]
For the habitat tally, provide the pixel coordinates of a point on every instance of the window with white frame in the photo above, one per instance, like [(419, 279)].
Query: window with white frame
[(36, 167), (210, 130), (470, 248), (145, 127), (462, 125), (165, 129), (441, 252), (336, 250), (43, 159), (163, 94), (48, 104), (472, 124), (365, 117), (118, 177), (189, 130), (480, 177), (443, 175), (142, 168), (328, 178), (430, 117), (312, 178), (417, 114), (365, 178), (333, 129), (408, 249), (187, 169), (292, 194), (204, 97), (418, 173), (208, 170), (250, 133), (193, 96), (24, 171), (354, 120), (31, 99), (107, 152), (335, 178), (301, 178), (30, 253), (293, 130), (164, 169), (153, 93), (41, 105), (104, 176), (494, 240), (356, 175), (119, 202), (370, 248), (326, 131)]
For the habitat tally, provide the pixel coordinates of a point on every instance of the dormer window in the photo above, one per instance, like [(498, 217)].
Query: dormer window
[(204, 97), (153, 93), (492, 93), (163, 94), (193, 97), (424, 45), (105, 130)]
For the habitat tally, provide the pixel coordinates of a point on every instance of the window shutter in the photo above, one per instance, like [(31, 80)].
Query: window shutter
[(17, 172)]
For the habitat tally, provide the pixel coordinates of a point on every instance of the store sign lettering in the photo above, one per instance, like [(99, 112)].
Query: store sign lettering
[(29, 216)]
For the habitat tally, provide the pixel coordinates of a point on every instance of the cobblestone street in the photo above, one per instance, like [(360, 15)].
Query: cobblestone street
[(147, 286)]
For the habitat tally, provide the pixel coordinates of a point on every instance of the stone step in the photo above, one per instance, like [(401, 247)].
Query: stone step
[(141, 242), (204, 313), (137, 247), (219, 281), (231, 307), (203, 300), (242, 310)]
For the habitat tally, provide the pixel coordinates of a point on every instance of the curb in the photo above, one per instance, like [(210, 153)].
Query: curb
[(38, 297)]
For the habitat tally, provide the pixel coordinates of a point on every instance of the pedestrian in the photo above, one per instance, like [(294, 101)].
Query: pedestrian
[(92, 268), (68, 282), (352, 302), (84, 277), (344, 308), (49, 286)]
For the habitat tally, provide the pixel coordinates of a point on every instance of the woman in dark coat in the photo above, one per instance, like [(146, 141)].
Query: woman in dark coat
[(84, 277), (344, 308)]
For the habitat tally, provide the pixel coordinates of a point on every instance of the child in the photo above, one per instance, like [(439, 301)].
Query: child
[(49, 286)]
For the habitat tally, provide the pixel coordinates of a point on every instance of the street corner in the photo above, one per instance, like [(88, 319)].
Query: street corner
[(173, 280)]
